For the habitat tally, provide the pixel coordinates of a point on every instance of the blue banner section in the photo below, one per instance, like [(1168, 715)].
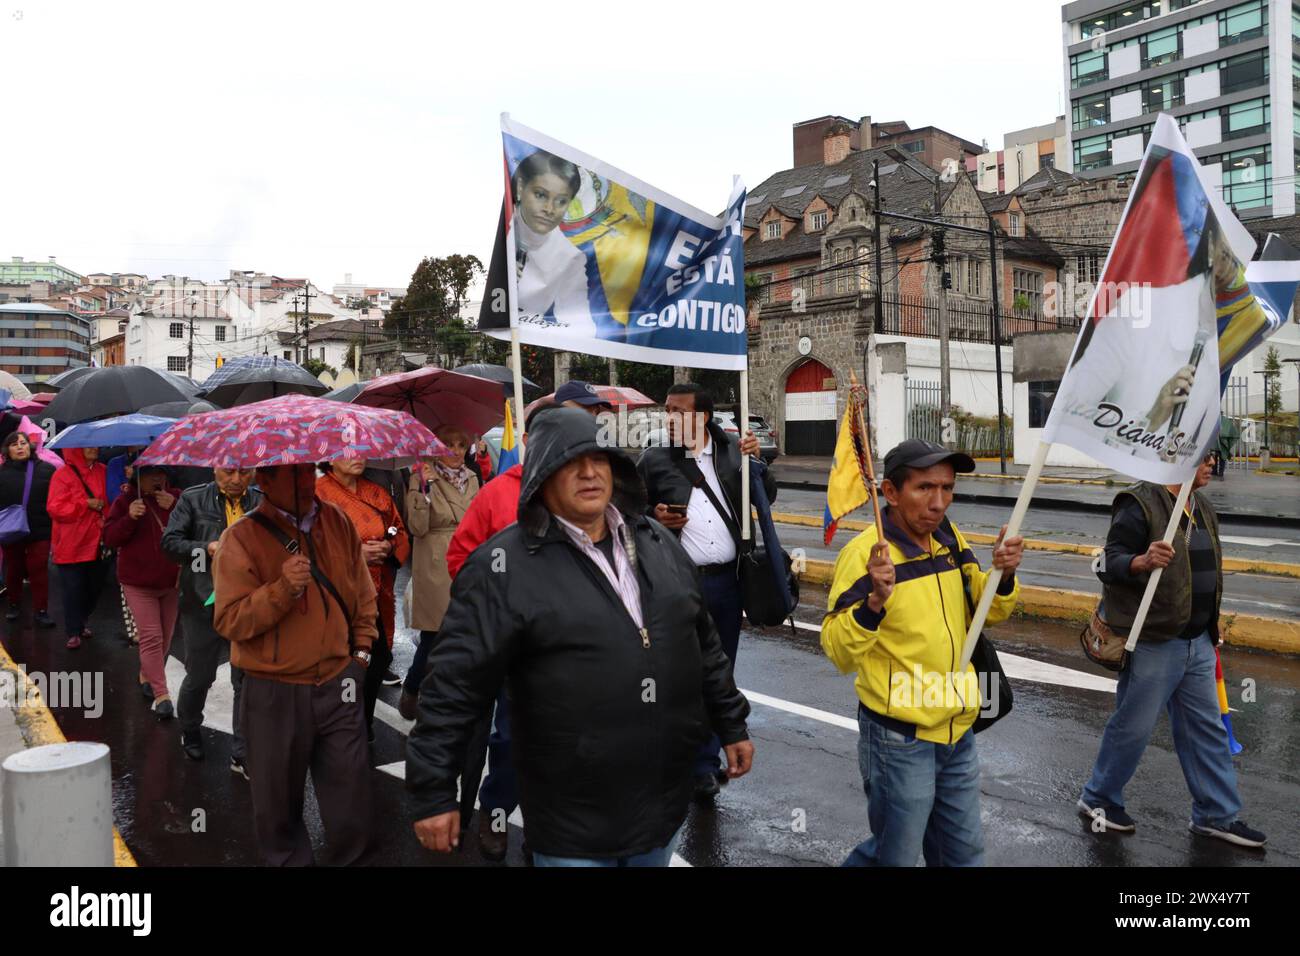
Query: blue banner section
[(591, 260)]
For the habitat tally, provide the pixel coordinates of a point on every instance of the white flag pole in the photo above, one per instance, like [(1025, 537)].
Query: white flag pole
[(995, 575), (1183, 494), (744, 459), (518, 364)]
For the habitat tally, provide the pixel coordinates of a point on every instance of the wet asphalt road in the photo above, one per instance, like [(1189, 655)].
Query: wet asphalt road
[(172, 811)]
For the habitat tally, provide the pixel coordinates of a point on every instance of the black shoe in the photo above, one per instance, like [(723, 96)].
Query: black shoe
[(722, 778), (43, 619), (408, 706), (706, 788), (391, 679), (192, 744), (1238, 833), (12, 612), (146, 690), (163, 709), (237, 767), (1111, 817)]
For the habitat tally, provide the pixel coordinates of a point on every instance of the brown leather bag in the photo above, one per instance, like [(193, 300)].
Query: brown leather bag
[(1103, 646)]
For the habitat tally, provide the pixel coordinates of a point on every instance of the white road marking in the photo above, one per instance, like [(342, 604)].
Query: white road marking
[(1257, 542), (1021, 668)]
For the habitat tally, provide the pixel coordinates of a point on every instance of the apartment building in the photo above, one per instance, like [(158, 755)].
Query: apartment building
[(1227, 70)]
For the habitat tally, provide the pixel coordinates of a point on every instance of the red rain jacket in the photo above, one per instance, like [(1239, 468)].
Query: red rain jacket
[(76, 529), (494, 508)]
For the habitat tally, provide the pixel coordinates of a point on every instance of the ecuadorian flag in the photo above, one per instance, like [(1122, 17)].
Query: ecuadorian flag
[(509, 456), (846, 490)]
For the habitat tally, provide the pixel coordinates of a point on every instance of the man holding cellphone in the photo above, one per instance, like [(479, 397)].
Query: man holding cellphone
[(693, 486)]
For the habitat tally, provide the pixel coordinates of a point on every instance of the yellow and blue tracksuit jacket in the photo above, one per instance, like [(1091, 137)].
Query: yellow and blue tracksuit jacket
[(906, 655)]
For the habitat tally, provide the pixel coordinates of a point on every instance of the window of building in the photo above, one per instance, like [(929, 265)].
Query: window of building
[(1162, 94), (1027, 291), (1088, 268), (805, 282), (843, 277), (220, 333), (1088, 67), (1013, 220), (1092, 152), (176, 363), (819, 220), (1092, 111), (1247, 177), (772, 230), (1041, 397), (1243, 72), (1245, 119), (288, 356), (1246, 22), (176, 330), (1047, 160), (763, 287), (974, 285), (916, 146), (1162, 46)]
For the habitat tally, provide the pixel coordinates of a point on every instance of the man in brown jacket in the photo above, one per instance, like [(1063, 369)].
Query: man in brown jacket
[(304, 658)]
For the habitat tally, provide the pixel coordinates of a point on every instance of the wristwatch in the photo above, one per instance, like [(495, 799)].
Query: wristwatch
[(362, 656)]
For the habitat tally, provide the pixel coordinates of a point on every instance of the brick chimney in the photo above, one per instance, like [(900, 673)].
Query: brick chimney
[(836, 144)]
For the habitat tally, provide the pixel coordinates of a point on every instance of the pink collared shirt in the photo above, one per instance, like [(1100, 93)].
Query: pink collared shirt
[(624, 582)]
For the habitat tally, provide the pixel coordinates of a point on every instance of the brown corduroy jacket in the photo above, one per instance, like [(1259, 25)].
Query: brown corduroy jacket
[(274, 636)]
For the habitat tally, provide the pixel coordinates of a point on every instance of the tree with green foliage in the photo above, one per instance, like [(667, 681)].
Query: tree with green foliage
[(428, 316), (315, 366), (1273, 382)]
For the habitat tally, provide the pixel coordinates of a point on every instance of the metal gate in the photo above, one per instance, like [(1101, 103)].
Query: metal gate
[(924, 410), (1239, 429)]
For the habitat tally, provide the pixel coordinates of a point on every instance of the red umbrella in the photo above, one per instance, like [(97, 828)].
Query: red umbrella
[(437, 397), (615, 395), (293, 430), (43, 397)]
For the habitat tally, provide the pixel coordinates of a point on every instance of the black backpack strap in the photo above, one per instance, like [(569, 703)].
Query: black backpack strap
[(319, 576)]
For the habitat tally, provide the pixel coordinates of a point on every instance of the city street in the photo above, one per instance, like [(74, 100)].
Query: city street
[(802, 804)]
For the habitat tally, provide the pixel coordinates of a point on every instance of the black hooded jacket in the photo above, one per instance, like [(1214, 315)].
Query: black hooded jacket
[(606, 725)]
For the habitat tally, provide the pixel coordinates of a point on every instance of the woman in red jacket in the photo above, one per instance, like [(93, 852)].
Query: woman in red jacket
[(135, 526), (76, 507)]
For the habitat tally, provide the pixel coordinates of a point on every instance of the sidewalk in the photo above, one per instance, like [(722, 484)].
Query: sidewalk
[(1243, 495)]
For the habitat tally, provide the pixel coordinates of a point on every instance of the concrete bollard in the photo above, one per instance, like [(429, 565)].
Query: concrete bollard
[(58, 806)]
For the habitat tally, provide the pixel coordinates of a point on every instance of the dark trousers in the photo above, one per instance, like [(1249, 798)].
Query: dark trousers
[(81, 584), (722, 597), (499, 790), (204, 651), (30, 560), (415, 676), (381, 655), (293, 728)]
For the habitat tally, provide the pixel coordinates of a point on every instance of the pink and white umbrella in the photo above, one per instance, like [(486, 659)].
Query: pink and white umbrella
[(438, 397)]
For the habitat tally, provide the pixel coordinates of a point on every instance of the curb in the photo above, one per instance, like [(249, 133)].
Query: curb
[(1239, 565), (38, 727), (1237, 630)]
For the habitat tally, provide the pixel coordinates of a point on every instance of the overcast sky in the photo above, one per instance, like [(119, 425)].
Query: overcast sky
[(327, 138)]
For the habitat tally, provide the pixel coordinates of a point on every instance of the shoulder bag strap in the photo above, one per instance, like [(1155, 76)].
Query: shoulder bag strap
[(291, 546), (694, 474), (27, 485)]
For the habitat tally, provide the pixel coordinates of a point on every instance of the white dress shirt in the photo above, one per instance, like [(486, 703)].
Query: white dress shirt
[(705, 536)]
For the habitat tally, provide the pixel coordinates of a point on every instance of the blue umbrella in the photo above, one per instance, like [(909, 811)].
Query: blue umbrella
[(125, 430)]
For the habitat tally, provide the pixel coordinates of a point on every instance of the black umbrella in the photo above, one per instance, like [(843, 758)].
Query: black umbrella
[(499, 373), (254, 378), (114, 390), (64, 379), (346, 394), (189, 406)]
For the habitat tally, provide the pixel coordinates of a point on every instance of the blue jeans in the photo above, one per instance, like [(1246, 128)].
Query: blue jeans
[(654, 858), (1175, 675), (722, 597), (499, 790), (922, 798)]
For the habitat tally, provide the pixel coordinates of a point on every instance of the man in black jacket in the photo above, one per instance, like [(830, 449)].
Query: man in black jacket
[(198, 520), (694, 489), (593, 614)]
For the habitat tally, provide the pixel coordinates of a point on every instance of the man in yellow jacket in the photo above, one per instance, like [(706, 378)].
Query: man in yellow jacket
[(897, 615)]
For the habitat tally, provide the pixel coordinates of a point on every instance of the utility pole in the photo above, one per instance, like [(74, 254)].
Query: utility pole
[(306, 319), (189, 361), (938, 245), (880, 255), (997, 343)]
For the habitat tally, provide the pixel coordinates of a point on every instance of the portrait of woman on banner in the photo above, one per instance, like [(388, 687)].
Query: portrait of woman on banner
[(550, 271)]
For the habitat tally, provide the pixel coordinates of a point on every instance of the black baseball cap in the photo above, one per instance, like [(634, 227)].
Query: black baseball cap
[(918, 453), (580, 392)]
